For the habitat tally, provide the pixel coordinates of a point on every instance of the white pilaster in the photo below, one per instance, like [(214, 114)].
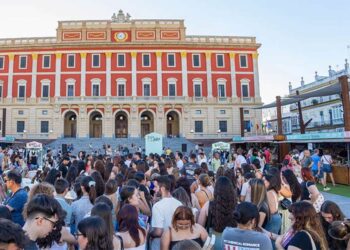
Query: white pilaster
[(256, 76), (10, 76), (159, 73), (184, 73), (58, 75), (108, 73), (209, 79), (133, 74), (34, 70), (83, 74), (233, 75)]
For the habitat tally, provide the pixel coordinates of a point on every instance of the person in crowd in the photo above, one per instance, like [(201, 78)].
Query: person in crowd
[(326, 167), (289, 178), (216, 215), (245, 234), (171, 169), (259, 198), (309, 189), (111, 191), (44, 221), (316, 166), (63, 168), (61, 188), (273, 186), (240, 158), (215, 162), (203, 193), (17, 198), (340, 231), (11, 235), (163, 210), (178, 158), (331, 212), (188, 245), (83, 205), (52, 176), (183, 227), (132, 234), (296, 168), (92, 233), (306, 161), (189, 167), (240, 179), (5, 213), (104, 211), (306, 231), (100, 183), (248, 174), (185, 184)]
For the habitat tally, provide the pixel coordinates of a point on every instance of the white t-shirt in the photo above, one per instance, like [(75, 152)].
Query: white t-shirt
[(162, 212), (240, 160), (326, 159), (246, 191), (179, 164)]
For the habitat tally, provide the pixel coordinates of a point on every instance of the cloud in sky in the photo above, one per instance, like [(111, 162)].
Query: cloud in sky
[(298, 37)]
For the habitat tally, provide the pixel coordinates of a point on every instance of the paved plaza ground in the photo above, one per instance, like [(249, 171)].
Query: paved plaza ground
[(342, 201)]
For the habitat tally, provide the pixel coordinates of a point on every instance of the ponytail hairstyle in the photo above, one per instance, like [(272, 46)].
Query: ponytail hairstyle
[(88, 183)]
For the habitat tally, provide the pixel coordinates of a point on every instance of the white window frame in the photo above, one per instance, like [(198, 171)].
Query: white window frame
[(167, 59), (121, 54), (245, 82), (43, 61), (45, 82), (19, 84), (223, 61), (219, 82), (71, 67), (144, 82), (197, 81), (3, 62), (2, 89), (99, 60), (94, 82), (121, 81), (199, 60), (19, 62), (246, 59), (71, 82), (150, 62), (172, 81)]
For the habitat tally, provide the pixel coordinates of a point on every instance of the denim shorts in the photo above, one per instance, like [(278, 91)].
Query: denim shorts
[(316, 174), (327, 168)]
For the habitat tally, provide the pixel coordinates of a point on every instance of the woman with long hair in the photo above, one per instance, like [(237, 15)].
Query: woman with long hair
[(104, 211), (52, 176), (132, 234), (273, 186), (306, 231), (185, 184), (84, 205), (259, 198), (296, 167), (331, 212), (309, 189), (203, 193), (100, 183), (93, 234), (217, 214), (183, 227), (289, 177)]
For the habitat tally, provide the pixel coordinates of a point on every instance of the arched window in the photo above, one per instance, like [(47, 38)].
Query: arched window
[(172, 86), (197, 87), (121, 83), (70, 83), (221, 87), (245, 88), (21, 94), (146, 86), (45, 88), (95, 85)]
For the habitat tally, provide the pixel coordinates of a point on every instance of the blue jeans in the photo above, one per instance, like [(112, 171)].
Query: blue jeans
[(274, 224)]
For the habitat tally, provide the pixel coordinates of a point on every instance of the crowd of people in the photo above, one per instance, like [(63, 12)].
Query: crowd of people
[(232, 200)]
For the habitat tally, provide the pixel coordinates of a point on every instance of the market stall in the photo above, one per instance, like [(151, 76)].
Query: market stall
[(34, 155)]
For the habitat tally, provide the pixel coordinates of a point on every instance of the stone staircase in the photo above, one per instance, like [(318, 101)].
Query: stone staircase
[(97, 143)]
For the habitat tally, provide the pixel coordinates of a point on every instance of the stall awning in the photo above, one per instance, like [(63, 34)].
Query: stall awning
[(331, 88)]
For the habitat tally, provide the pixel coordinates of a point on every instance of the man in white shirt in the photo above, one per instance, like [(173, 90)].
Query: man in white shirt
[(240, 158), (163, 210), (179, 162)]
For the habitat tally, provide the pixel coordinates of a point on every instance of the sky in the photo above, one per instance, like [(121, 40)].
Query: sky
[(298, 37)]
